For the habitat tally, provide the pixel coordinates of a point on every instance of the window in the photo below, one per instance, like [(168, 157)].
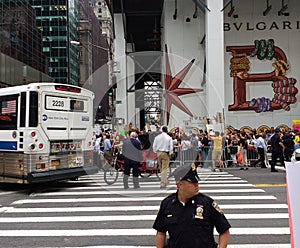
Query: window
[(23, 110), (33, 109), (8, 115)]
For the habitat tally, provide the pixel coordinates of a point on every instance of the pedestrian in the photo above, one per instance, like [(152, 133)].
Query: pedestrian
[(163, 147), (189, 216), (289, 145), (243, 146), (185, 148), (97, 151), (176, 143), (261, 148), (196, 149), (217, 150), (107, 148), (233, 147), (118, 143), (277, 148), (132, 152), (297, 137), (205, 148), (268, 136)]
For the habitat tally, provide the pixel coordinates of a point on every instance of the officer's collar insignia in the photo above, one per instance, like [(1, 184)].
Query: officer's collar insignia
[(199, 212), (216, 206), (193, 167)]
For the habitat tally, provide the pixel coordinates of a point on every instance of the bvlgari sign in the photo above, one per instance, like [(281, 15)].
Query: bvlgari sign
[(262, 26), (284, 87)]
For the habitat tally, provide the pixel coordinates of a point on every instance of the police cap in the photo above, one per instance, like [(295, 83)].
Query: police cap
[(186, 172)]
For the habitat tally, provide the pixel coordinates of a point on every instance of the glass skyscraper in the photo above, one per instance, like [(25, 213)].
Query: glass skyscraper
[(58, 22)]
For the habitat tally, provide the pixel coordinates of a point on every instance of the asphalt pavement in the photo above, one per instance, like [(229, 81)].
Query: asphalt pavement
[(272, 182), (90, 213)]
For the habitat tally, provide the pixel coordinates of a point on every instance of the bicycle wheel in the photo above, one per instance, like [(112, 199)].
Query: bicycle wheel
[(111, 174)]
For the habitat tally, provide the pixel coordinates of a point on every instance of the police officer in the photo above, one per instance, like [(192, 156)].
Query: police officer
[(277, 149), (189, 217)]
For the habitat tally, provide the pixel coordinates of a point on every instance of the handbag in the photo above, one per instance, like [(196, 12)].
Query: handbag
[(239, 157)]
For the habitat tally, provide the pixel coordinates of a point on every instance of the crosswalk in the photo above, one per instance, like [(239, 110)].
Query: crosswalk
[(89, 213)]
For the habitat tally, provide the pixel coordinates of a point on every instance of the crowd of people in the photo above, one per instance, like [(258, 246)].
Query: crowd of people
[(209, 148)]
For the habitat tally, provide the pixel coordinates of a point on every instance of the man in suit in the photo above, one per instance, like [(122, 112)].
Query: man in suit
[(132, 151)]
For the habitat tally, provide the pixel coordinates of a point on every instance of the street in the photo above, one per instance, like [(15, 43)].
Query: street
[(89, 213)]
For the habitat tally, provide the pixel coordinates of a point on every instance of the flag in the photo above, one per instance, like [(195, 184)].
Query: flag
[(9, 107)]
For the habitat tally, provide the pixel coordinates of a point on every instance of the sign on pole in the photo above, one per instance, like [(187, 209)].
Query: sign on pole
[(293, 186), (296, 125)]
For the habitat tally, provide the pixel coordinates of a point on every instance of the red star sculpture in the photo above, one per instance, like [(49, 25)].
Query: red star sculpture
[(172, 92)]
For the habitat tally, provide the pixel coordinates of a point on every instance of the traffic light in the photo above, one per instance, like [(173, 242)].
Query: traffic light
[(110, 92)]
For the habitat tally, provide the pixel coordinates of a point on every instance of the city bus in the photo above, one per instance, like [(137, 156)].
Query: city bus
[(46, 133)]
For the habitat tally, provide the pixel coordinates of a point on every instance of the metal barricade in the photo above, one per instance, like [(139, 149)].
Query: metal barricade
[(252, 154), (228, 156), (184, 156), (191, 155)]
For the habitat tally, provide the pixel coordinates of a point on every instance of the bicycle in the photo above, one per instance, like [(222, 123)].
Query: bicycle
[(111, 170)]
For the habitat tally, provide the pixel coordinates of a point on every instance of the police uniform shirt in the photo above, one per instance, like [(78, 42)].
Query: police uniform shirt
[(190, 225), (275, 140)]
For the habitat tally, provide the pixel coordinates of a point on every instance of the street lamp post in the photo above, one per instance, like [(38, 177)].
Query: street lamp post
[(89, 59), (74, 42)]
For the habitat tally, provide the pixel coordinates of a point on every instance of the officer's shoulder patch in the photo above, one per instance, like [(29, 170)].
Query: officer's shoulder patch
[(217, 207)]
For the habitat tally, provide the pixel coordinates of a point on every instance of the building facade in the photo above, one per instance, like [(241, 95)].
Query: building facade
[(22, 59), (243, 59), (58, 22), (102, 12), (95, 59)]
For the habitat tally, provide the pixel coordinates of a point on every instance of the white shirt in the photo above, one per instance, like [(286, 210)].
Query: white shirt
[(185, 145), (260, 143), (163, 143), (97, 144)]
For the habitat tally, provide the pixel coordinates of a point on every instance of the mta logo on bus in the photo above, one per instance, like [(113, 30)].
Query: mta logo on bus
[(85, 118), (45, 117)]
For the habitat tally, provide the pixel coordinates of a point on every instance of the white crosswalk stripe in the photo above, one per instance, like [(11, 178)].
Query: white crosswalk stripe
[(229, 246), (114, 212), (130, 208)]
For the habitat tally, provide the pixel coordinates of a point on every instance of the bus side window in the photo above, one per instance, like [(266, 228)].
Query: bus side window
[(23, 110), (33, 109)]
